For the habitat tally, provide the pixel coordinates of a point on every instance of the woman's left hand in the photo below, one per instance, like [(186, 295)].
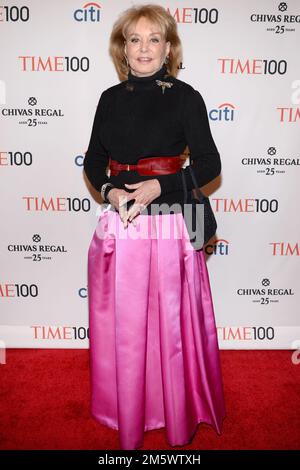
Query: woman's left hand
[(145, 193)]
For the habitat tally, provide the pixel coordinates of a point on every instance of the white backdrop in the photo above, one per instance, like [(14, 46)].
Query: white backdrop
[(243, 57)]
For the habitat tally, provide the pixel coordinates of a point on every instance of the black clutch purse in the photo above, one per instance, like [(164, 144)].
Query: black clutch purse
[(199, 217)]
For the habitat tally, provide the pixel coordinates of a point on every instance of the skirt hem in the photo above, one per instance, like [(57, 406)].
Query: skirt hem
[(199, 421)]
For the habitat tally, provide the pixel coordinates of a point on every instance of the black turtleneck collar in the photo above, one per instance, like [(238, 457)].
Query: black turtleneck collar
[(158, 75)]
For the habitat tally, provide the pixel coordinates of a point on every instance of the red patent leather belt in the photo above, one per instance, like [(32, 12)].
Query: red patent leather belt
[(149, 165)]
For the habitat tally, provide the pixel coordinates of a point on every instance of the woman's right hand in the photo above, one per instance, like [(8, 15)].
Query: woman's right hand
[(118, 198)]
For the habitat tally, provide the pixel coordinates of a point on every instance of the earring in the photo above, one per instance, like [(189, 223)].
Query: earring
[(166, 59)]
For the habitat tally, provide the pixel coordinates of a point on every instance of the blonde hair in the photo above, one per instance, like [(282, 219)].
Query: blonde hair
[(156, 15)]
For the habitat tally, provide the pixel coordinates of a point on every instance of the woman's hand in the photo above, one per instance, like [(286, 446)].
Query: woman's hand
[(146, 192), (118, 199)]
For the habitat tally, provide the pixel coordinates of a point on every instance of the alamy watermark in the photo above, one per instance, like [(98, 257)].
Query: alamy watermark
[(190, 226)]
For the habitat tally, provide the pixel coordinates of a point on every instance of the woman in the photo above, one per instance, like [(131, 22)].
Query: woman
[(153, 343)]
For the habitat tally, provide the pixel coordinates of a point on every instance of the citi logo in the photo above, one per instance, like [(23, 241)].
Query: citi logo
[(83, 292), (78, 159), (225, 112), (89, 12), (218, 247)]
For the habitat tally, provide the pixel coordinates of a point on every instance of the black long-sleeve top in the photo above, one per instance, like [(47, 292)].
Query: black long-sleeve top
[(135, 119)]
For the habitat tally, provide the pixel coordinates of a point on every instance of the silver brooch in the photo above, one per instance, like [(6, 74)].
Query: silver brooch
[(163, 84)]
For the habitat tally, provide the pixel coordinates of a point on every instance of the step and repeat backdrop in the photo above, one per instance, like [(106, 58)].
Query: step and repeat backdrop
[(243, 57)]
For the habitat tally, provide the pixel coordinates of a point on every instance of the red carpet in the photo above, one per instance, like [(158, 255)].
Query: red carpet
[(45, 403)]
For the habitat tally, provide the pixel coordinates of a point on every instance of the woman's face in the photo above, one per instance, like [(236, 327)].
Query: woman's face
[(146, 48)]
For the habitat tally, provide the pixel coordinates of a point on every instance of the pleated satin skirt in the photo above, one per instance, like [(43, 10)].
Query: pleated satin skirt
[(154, 357)]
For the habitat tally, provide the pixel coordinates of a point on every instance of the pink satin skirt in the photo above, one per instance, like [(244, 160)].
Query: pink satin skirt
[(154, 356)]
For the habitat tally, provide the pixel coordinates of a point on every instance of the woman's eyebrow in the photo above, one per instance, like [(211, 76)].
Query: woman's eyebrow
[(136, 34)]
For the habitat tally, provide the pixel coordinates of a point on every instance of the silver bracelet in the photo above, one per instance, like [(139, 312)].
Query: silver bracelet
[(103, 190)]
